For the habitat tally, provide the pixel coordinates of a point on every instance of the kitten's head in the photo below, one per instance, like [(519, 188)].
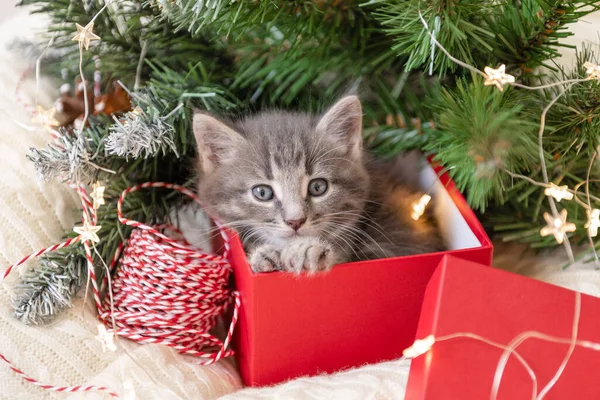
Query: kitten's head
[(279, 175)]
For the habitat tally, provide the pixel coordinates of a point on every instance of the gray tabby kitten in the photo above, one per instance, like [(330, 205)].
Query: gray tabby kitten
[(302, 193)]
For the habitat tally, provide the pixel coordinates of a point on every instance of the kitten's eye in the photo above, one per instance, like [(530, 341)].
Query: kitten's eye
[(317, 187), (262, 192)]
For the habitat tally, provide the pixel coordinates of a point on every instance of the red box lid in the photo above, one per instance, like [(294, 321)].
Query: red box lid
[(463, 296)]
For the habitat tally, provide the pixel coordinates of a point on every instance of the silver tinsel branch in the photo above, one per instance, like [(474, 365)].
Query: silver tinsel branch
[(48, 288), (140, 134), (68, 159)]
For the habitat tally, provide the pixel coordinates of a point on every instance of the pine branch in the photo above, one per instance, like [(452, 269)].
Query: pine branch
[(482, 132), (575, 119), (124, 28), (522, 35), (388, 142), (138, 134), (460, 26), (50, 287), (528, 36), (289, 18), (232, 57), (66, 160)]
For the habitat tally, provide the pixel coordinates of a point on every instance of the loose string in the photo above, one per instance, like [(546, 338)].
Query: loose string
[(519, 339), (82, 76), (511, 349)]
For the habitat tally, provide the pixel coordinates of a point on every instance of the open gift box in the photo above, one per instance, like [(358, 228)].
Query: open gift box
[(499, 306), (360, 312)]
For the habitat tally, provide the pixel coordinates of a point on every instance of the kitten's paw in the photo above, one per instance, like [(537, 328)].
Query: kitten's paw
[(307, 254), (265, 258)]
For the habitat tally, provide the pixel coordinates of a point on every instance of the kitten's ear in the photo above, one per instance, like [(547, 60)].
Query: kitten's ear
[(216, 141), (343, 123)]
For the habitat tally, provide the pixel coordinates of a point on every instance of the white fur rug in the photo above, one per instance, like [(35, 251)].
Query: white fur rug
[(34, 215)]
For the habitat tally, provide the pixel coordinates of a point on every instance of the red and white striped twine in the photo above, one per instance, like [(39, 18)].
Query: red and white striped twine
[(39, 253), (18, 97), (65, 389), (165, 291)]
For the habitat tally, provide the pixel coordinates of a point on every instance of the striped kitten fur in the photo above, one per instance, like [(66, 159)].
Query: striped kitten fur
[(303, 194)]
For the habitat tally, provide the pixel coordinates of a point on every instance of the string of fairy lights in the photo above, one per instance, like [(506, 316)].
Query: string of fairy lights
[(557, 225), (88, 230), (556, 222)]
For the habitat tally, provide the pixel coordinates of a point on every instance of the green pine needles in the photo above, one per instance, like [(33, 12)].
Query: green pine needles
[(48, 288), (490, 131), (233, 57)]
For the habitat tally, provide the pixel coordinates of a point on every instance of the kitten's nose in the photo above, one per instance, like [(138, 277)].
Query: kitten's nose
[(295, 224)]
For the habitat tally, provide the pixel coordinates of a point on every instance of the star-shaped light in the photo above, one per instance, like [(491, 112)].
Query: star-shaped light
[(497, 77), (45, 118), (85, 35), (592, 70), (593, 222), (558, 192), (419, 206), (420, 346), (88, 231), (132, 115), (161, 3), (98, 195), (137, 111), (106, 338), (557, 226)]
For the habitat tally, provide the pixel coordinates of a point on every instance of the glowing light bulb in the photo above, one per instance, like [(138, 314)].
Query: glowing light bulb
[(88, 231), (46, 118), (98, 195), (106, 338), (85, 35), (419, 347), (593, 222), (419, 206), (497, 77), (558, 192), (592, 70), (137, 111), (557, 226)]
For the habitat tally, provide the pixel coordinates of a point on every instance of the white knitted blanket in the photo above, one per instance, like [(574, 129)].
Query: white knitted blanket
[(34, 215)]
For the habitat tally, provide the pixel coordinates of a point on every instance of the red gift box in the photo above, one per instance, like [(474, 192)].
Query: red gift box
[(463, 296), (362, 312)]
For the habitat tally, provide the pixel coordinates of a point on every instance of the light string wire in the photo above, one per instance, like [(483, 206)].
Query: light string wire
[(564, 90), (82, 76), (519, 339), (589, 209), (511, 348), (38, 63), (569, 83)]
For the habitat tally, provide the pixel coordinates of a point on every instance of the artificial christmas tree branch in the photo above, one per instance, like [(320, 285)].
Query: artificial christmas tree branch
[(238, 57)]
